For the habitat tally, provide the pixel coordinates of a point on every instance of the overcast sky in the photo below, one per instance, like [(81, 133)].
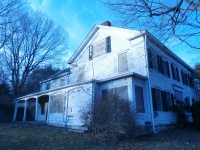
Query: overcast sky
[(78, 17)]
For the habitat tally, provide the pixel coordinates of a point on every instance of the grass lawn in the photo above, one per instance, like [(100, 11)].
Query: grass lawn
[(41, 137)]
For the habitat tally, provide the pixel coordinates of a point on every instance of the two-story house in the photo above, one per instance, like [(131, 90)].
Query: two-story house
[(132, 64)]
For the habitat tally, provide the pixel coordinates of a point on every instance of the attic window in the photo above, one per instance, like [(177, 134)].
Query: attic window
[(100, 47), (81, 74)]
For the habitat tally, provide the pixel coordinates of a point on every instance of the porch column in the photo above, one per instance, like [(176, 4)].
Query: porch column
[(25, 107), (48, 109), (36, 107), (15, 111)]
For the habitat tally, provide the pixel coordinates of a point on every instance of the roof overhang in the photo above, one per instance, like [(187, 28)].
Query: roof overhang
[(83, 44)]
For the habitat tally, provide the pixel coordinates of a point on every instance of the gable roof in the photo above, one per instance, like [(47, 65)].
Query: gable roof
[(91, 34), (142, 32), (57, 74)]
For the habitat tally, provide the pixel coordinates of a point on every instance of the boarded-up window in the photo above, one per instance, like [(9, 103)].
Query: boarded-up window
[(48, 85), (62, 81), (122, 62), (100, 47), (139, 99), (81, 74), (57, 103), (119, 92)]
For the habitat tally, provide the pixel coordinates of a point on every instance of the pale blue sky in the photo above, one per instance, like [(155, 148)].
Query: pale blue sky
[(78, 17)]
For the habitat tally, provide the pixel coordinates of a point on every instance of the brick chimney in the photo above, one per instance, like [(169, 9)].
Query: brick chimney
[(106, 23)]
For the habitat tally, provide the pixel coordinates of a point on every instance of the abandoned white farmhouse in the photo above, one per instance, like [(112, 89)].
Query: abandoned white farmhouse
[(132, 63)]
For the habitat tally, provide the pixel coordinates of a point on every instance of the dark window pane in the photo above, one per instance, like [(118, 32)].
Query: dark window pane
[(166, 101), (139, 99), (156, 98)]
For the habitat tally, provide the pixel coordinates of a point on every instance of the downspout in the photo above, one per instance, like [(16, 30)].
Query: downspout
[(149, 85)]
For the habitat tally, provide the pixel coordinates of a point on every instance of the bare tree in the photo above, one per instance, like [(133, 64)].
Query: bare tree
[(35, 39), (8, 8), (179, 19)]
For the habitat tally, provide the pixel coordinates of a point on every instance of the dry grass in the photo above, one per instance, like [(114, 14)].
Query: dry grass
[(41, 137)]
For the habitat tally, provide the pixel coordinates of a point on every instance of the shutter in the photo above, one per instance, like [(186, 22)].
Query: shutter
[(160, 64), (177, 72), (108, 44), (173, 73), (168, 71), (183, 77), (90, 52)]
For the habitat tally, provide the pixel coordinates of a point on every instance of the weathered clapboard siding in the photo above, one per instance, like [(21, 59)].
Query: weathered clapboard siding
[(77, 100), (131, 82), (162, 82), (56, 119), (121, 69), (106, 65), (141, 118)]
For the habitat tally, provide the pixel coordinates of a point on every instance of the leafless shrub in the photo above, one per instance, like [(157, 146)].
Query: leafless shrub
[(111, 115)]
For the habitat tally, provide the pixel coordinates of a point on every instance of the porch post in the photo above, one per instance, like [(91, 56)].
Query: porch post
[(15, 111), (25, 106), (36, 108), (48, 109)]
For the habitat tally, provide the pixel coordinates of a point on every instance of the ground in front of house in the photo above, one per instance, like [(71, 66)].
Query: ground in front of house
[(40, 136)]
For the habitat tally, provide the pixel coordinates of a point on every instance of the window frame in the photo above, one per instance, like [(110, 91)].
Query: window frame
[(127, 65), (139, 106)]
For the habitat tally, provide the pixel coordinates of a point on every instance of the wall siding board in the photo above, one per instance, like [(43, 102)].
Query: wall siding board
[(164, 83)]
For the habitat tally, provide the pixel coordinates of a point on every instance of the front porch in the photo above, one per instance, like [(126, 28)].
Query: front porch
[(60, 106)]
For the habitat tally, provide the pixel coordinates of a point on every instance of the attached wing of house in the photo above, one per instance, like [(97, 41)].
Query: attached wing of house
[(133, 64)]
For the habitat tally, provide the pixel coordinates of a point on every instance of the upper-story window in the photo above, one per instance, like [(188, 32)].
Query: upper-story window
[(187, 79), (158, 63), (99, 48), (122, 62), (48, 85), (162, 100), (62, 81), (81, 74), (175, 73)]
